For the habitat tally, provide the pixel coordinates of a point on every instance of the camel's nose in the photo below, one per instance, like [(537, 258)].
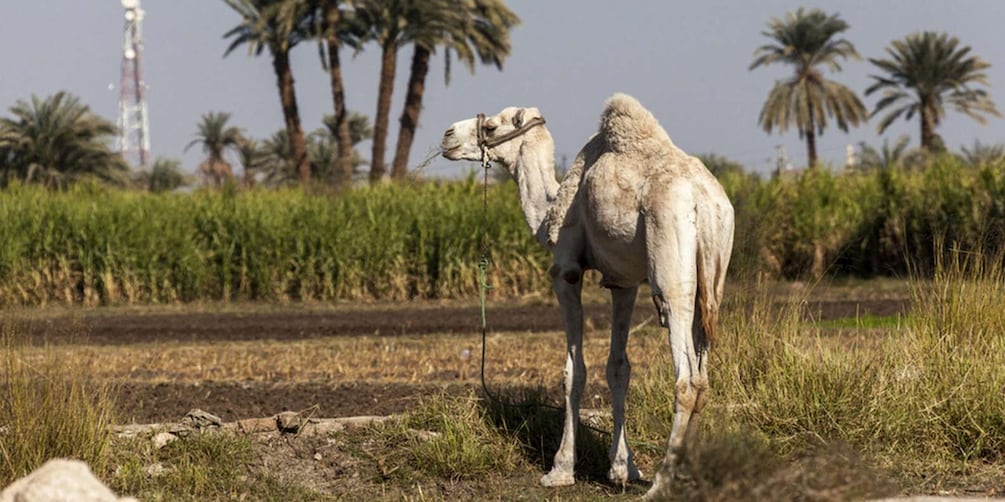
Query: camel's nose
[(450, 132)]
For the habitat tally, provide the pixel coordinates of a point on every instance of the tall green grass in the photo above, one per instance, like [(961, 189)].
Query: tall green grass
[(90, 245), (928, 394), (95, 246), (49, 408), (881, 222)]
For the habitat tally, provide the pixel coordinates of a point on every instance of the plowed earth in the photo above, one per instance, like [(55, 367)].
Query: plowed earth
[(156, 400)]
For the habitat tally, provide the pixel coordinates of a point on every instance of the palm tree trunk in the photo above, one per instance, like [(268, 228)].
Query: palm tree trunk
[(811, 140), (389, 60), (288, 98), (811, 149), (343, 163), (927, 126), (410, 115)]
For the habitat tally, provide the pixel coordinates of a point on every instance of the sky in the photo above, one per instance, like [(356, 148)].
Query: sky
[(687, 61)]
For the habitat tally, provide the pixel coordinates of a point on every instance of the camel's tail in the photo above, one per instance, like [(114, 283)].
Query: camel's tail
[(711, 281), (626, 124)]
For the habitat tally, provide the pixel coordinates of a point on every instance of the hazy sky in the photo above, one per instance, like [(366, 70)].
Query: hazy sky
[(686, 61)]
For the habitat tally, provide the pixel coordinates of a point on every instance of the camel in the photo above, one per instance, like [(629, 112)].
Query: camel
[(634, 207)]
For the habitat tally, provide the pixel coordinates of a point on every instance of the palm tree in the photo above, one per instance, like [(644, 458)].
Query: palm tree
[(165, 175), (926, 70), (272, 24), (57, 140), (276, 162), (216, 137), (332, 24), (384, 22), (887, 157), (467, 28), (805, 40), (981, 154), (251, 157), (359, 128)]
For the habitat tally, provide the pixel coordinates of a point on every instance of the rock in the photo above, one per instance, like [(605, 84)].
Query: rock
[(155, 469), (60, 479), (196, 420), (199, 419), (253, 425), (162, 439), (288, 421)]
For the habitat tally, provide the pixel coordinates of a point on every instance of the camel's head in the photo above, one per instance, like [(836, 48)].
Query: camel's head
[(501, 135)]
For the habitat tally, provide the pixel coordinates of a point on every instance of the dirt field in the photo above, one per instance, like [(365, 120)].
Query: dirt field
[(242, 361), (153, 390)]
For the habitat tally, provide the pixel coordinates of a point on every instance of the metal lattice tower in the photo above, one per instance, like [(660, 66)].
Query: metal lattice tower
[(134, 128)]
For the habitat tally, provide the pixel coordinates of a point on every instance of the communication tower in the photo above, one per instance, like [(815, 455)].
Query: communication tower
[(134, 128)]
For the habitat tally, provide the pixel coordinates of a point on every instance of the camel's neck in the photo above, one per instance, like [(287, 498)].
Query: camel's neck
[(535, 176)]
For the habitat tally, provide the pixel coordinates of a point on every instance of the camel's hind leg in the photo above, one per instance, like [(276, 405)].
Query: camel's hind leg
[(619, 371), (671, 242)]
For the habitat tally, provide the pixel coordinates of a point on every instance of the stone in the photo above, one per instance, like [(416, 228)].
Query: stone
[(161, 439), (288, 421), (255, 425), (60, 479)]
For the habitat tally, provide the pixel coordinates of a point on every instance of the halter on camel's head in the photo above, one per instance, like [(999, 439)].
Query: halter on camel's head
[(484, 142)]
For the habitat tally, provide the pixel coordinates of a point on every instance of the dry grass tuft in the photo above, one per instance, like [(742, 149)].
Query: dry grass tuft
[(50, 407)]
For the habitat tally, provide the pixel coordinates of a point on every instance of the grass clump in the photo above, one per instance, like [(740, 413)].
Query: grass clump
[(925, 398), (461, 442), (198, 467), (949, 389), (49, 408)]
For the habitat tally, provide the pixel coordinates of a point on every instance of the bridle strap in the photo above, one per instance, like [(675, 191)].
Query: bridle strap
[(486, 142)]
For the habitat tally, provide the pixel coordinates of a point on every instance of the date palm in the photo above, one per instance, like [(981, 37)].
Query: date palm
[(468, 28), (359, 128), (164, 176), (924, 72), (806, 41), (57, 140), (384, 22), (332, 23), (216, 137), (269, 24), (886, 157), (251, 157), (276, 163)]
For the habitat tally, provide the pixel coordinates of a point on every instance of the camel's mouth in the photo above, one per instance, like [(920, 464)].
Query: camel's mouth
[(449, 151)]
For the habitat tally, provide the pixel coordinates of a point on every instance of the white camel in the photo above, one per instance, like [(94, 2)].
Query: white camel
[(634, 207)]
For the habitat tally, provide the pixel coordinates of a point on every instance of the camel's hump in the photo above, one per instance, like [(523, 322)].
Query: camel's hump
[(625, 123)]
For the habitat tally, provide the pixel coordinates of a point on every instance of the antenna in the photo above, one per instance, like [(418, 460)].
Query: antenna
[(134, 128)]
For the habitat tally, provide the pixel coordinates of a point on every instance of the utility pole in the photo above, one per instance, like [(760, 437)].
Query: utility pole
[(134, 127), (781, 161)]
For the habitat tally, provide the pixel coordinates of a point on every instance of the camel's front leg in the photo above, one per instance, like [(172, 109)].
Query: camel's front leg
[(568, 286), (619, 372)]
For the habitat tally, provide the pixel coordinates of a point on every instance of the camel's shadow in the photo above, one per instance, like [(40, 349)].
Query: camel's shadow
[(527, 415)]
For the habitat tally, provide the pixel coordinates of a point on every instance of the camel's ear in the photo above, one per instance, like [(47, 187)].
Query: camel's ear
[(518, 118)]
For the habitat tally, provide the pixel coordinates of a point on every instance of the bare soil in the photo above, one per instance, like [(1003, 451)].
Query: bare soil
[(143, 401)]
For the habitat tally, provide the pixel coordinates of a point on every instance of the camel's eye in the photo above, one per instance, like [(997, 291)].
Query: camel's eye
[(518, 119), (489, 127)]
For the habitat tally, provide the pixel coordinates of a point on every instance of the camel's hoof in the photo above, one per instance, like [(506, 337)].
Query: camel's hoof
[(660, 489), (623, 474), (657, 493), (558, 478)]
